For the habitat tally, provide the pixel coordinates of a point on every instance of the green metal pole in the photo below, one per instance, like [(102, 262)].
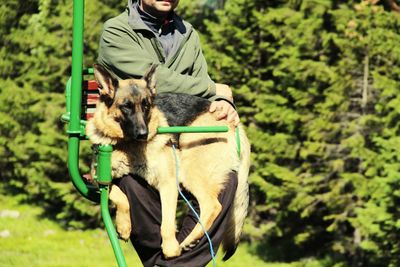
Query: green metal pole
[(74, 127), (104, 164), (68, 96), (192, 129), (73, 167), (238, 147), (104, 178), (199, 129), (77, 65), (105, 214), (75, 132)]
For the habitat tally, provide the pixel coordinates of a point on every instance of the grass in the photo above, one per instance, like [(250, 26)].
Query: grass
[(35, 241), (30, 240)]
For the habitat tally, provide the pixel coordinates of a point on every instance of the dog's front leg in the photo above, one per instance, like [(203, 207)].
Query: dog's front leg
[(122, 218), (169, 197)]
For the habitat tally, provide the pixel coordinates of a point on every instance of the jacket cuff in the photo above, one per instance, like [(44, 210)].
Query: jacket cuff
[(211, 90)]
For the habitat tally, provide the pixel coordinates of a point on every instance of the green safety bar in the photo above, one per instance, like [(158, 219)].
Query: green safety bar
[(74, 126), (76, 132), (75, 129)]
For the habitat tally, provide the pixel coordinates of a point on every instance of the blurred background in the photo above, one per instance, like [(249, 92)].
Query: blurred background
[(316, 83)]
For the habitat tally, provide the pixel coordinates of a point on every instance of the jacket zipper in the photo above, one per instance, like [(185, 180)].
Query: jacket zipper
[(173, 58), (156, 47), (161, 58)]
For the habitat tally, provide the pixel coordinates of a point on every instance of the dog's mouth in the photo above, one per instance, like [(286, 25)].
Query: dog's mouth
[(141, 138), (133, 130), (135, 138)]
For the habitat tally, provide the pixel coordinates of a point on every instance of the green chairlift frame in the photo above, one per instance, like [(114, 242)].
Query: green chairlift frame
[(76, 133)]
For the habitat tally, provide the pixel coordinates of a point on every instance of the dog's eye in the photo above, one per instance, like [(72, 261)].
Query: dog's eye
[(145, 105)]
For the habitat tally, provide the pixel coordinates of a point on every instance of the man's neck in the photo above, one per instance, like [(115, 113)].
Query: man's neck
[(154, 23)]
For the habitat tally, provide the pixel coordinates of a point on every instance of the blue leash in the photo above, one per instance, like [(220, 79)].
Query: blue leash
[(191, 207)]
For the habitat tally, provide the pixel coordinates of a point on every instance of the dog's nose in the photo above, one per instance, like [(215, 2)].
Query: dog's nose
[(142, 134)]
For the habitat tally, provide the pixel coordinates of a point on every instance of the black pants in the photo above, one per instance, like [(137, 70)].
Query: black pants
[(145, 209)]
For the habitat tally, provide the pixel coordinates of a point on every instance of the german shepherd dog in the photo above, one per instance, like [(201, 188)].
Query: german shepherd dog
[(127, 116)]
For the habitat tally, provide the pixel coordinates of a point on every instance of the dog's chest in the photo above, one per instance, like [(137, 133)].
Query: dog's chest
[(149, 160)]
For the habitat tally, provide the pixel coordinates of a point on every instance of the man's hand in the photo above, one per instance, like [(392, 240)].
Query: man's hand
[(224, 90), (225, 111)]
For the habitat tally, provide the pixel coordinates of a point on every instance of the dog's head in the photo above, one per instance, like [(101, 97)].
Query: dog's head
[(128, 101)]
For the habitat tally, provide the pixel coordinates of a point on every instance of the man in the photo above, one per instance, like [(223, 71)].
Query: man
[(147, 33)]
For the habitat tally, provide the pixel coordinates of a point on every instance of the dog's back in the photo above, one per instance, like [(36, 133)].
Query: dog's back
[(181, 109), (207, 159)]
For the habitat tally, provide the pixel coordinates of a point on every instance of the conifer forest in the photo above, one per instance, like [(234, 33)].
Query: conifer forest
[(316, 84)]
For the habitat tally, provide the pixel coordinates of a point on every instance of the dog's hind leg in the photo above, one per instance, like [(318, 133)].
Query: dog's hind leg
[(210, 208), (123, 219), (169, 198)]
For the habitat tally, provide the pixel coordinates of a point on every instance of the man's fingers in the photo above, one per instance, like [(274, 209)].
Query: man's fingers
[(226, 108), (221, 115), (233, 117), (224, 111), (213, 106)]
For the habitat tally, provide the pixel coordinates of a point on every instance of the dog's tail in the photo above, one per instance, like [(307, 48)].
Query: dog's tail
[(238, 210)]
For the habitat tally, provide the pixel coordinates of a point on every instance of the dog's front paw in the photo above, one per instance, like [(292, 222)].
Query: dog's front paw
[(124, 226), (171, 248), (124, 232), (188, 246)]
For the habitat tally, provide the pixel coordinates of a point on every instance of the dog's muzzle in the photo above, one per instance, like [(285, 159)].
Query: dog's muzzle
[(141, 134)]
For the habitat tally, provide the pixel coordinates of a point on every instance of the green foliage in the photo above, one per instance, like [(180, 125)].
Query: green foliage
[(316, 84), (36, 54)]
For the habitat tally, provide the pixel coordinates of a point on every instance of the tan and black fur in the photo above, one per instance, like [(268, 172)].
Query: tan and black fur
[(127, 116)]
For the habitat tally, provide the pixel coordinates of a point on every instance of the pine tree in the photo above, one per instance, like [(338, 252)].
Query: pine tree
[(309, 77), (36, 52)]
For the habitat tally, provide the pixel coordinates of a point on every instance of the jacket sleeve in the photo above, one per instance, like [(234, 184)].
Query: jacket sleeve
[(200, 70), (120, 53)]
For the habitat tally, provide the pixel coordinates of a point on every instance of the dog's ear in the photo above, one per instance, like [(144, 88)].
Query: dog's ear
[(150, 79), (106, 80)]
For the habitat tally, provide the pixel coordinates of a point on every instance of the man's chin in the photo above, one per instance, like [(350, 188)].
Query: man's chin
[(164, 6), (163, 9)]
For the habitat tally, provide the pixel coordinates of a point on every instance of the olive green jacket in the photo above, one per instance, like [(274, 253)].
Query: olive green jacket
[(129, 49)]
